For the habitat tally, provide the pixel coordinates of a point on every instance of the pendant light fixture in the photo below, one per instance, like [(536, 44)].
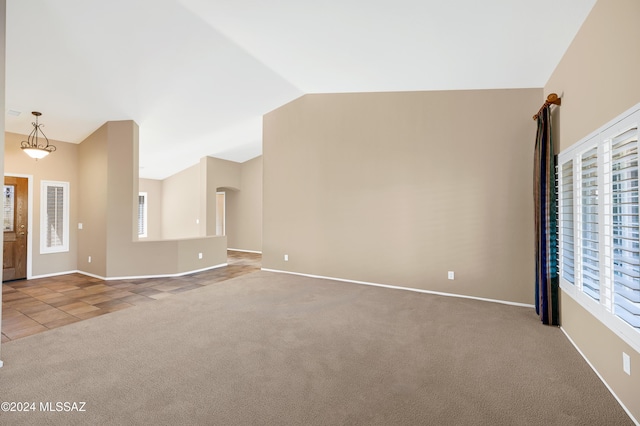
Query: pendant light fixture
[(31, 146)]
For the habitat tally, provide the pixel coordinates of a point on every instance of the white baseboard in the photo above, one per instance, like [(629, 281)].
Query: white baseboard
[(245, 251), (417, 290), (136, 277), (55, 274), (600, 377)]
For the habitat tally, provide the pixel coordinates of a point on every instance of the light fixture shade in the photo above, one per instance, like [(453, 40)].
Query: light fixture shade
[(31, 146), (36, 153)]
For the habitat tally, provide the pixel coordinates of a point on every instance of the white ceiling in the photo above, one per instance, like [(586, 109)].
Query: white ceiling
[(197, 75)]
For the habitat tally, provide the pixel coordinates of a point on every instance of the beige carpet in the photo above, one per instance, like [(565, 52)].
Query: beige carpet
[(275, 349)]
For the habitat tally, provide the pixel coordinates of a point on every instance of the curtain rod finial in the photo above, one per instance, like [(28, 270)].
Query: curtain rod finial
[(554, 99)]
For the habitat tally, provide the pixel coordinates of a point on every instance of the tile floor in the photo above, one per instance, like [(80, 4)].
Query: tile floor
[(34, 306)]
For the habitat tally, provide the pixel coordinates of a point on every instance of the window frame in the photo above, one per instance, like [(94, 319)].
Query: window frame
[(44, 186), (145, 223), (602, 138)]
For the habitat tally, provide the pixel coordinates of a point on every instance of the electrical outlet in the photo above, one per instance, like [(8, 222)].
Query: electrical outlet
[(286, 257), (89, 259), (79, 225), (199, 255), (450, 275), (626, 363)]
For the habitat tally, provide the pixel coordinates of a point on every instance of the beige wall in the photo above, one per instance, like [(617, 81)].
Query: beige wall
[(95, 170), (58, 166), (215, 174), (399, 188), (181, 204), (189, 197), (598, 79), (244, 209), (598, 76), (180, 208), (92, 203), (153, 188), (109, 159)]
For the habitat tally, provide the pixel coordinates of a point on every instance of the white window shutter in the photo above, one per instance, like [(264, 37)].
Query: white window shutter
[(54, 217)]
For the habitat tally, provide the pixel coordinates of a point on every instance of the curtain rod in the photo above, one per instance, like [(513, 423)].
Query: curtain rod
[(552, 99)]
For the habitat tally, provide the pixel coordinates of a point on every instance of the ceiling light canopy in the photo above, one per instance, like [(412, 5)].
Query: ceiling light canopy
[(31, 146)]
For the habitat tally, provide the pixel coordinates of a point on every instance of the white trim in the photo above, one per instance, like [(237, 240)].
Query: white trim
[(245, 251), (66, 188), (417, 290), (135, 277), (611, 126), (616, 325), (600, 377)]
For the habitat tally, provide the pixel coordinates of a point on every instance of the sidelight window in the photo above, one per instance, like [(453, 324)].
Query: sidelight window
[(142, 215), (9, 207), (54, 217)]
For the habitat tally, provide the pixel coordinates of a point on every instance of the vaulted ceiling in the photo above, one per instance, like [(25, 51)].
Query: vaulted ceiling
[(197, 75)]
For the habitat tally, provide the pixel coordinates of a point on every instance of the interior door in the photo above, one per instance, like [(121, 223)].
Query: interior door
[(14, 259)]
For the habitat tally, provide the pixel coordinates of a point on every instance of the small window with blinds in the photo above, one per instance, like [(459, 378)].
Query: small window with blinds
[(142, 215), (566, 222), (589, 223), (625, 227), (599, 217), (54, 217)]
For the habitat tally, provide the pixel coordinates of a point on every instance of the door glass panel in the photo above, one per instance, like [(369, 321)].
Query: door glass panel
[(9, 203)]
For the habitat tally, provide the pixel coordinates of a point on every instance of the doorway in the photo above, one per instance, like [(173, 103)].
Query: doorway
[(15, 197), (221, 212)]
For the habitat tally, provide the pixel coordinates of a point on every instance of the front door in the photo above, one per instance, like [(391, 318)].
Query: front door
[(14, 259)]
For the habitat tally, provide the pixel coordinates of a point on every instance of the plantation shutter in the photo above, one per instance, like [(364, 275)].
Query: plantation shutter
[(566, 222), (55, 216), (624, 210), (589, 216), (606, 223)]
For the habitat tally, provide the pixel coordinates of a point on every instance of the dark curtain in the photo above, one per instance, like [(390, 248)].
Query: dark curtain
[(544, 189)]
